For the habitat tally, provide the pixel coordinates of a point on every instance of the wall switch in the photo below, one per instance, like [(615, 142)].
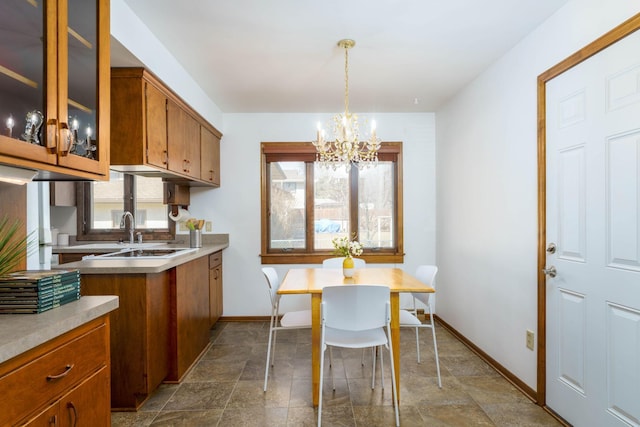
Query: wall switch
[(207, 226), (182, 226), (530, 339)]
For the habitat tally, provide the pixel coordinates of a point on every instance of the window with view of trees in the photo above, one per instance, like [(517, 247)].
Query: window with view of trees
[(305, 205), (101, 205)]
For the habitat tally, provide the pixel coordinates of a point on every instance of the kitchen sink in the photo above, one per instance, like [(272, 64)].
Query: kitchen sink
[(116, 245), (141, 253)]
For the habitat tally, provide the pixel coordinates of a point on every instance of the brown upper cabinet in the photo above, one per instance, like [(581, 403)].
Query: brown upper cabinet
[(54, 87), (183, 141), (210, 156), (155, 133)]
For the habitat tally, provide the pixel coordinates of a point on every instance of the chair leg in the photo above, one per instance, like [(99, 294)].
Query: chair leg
[(330, 357), (333, 376), (382, 367), (394, 386), (418, 344), (373, 368), (435, 348), (269, 362), (321, 383), (273, 351)]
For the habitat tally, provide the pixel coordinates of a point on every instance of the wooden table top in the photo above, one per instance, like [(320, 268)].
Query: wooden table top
[(312, 280)]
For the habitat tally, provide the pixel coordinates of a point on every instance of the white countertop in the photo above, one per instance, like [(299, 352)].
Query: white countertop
[(22, 332)]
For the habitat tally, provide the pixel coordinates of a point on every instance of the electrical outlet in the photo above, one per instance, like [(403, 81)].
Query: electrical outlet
[(530, 339), (182, 226), (207, 226)]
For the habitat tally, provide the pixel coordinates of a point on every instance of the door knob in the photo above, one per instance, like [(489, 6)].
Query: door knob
[(551, 271)]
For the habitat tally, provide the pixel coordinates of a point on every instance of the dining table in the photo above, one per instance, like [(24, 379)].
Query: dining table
[(313, 280)]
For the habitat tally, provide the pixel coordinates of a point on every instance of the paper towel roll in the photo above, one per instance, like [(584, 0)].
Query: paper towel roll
[(63, 239), (182, 215)]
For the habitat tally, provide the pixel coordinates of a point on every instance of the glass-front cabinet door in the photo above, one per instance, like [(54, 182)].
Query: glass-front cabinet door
[(54, 86), (84, 88), (27, 83)]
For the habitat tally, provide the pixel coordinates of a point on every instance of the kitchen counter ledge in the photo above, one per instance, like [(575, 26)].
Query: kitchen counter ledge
[(23, 332)]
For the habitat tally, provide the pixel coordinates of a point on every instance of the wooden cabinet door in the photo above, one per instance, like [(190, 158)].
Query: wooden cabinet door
[(215, 294), (192, 145), (28, 82), (190, 311), (156, 132), (210, 156), (47, 418), (139, 333), (215, 287), (84, 85), (60, 94), (183, 141), (87, 404)]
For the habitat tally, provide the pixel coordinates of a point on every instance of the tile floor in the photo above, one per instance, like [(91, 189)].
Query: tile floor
[(225, 387)]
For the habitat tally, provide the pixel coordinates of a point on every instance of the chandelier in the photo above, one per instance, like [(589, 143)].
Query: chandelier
[(346, 148)]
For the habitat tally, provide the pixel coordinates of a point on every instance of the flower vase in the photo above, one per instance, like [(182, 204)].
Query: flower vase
[(348, 267)]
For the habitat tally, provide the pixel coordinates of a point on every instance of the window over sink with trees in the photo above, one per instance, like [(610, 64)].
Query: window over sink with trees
[(306, 204), (101, 205)]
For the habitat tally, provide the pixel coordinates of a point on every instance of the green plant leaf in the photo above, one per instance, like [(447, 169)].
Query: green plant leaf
[(13, 248)]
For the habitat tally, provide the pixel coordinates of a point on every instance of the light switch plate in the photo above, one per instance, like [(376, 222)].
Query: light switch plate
[(207, 226)]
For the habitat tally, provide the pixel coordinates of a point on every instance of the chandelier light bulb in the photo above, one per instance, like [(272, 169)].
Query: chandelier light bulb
[(10, 124)]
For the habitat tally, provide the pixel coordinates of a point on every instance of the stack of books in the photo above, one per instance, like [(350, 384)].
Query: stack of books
[(38, 290)]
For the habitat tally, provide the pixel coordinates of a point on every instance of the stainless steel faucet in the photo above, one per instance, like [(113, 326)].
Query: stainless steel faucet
[(132, 224)]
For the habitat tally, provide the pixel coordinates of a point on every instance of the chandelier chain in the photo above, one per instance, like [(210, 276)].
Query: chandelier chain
[(346, 80)]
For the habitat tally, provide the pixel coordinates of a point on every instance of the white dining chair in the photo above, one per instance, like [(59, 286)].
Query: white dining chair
[(337, 262), (409, 318), (289, 320), (356, 316)]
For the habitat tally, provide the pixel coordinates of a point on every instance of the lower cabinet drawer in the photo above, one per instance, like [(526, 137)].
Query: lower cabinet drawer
[(215, 260), (48, 376)]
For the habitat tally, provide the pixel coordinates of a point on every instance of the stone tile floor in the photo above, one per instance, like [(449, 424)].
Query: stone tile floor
[(225, 387)]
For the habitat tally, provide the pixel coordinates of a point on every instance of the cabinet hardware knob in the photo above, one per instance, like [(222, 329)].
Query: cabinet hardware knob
[(67, 369), (72, 408), (66, 139), (52, 135)]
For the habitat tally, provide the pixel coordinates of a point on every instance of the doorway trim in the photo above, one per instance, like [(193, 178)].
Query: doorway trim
[(627, 27)]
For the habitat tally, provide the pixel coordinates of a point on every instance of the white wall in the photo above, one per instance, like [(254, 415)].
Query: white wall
[(133, 34), (234, 208), (487, 187)]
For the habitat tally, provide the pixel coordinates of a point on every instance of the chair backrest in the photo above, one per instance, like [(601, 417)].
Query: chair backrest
[(356, 307), (427, 275), (273, 281), (337, 263)]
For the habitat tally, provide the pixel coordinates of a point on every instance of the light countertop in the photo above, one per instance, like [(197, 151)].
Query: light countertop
[(22, 332), (137, 266)]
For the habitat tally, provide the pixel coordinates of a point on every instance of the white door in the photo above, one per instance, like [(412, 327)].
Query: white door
[(593, 217)]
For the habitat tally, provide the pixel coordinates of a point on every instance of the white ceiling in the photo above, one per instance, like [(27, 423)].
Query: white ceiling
[(282, 55)]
